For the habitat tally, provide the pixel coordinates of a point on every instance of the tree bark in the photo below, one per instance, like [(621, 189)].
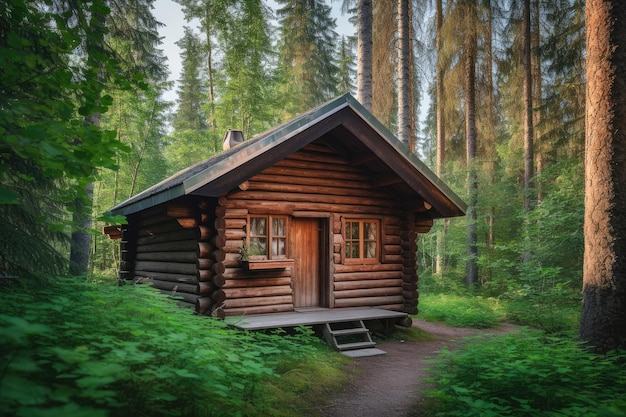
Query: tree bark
[(404, 105), (603, 320), (81, 239), (472, 176), (364, 70), (528, 126)]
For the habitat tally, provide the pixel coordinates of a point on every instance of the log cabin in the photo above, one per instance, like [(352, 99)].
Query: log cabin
[(322, 212)]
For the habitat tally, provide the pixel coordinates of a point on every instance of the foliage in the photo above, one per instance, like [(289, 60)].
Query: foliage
[(459, 311), (51, 75), (527, 374), (93, 348)]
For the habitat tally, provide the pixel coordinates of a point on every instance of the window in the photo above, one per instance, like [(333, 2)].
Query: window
[(361, 240), (267, 237)]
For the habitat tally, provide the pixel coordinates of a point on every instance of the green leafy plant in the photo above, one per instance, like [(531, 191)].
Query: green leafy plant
[(527, 374), (92, 348)]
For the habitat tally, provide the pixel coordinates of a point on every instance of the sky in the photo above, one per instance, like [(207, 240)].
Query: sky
[(169, 13)]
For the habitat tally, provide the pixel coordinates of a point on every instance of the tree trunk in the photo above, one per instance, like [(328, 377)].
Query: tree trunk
[(528, 126), (472, 177), (404, 105), (603, 321), (364, 71), (81, 239), (441, 127)]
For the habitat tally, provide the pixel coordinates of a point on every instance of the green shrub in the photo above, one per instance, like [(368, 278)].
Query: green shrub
[(527, 374), (556, 311), (459, 311), (71, 348)]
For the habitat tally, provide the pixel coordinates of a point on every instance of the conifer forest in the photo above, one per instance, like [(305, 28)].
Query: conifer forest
[(496, 97)]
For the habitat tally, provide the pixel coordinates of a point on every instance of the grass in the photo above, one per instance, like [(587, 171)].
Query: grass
[(460, 311)]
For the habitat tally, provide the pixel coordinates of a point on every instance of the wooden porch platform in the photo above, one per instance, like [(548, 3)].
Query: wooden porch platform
[(310, 317)]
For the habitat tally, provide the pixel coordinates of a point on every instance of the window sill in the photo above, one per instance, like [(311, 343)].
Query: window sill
[(255, 265)]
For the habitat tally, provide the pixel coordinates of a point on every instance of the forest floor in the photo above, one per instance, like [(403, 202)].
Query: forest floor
[(390, 385)]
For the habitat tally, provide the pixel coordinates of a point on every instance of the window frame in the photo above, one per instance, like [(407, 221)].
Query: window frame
[(361, 240), (269, 236)]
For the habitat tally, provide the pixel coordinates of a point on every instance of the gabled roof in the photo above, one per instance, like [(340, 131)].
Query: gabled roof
[(344, 125)]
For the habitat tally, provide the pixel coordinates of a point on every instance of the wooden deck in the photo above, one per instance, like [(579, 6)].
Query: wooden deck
[(311, 317)]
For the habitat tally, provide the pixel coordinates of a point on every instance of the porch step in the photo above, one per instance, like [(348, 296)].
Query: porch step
[(351, 338)]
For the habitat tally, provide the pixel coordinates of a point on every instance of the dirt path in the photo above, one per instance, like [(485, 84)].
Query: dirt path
[(387, 385)]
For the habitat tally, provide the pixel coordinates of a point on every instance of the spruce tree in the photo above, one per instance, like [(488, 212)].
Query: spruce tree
[(308, 62)]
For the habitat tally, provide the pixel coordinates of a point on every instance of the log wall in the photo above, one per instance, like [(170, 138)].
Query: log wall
[(316, 182), (173, 246)]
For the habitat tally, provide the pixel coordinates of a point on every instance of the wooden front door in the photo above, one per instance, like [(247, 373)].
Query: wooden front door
[(305, 250)]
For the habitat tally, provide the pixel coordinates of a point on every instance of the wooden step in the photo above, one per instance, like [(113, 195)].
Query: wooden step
[(355, 345), (347, 332), (363, 353)]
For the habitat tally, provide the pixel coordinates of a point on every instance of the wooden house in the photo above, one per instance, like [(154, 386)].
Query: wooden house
[(320, 212)]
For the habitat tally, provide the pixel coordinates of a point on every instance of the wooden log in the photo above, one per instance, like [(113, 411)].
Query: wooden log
[(243, 311), (219, 255), (113, 231), (162, 276), (335, 189), (235, 234), (168, 267), (202, 233), (392, 240), (205, 288), (175, 287), (190, 256), (181, 210), (321, 168), (239, 273), (205, 275), (369, 292), (218, 280), (182, 246), (205, 249), (237, 223), (409, 246), (349, 200), (244, 185), (361, 276), (183, 296), (261, 282), (127, 265), (341, 268), (147, 220), (234, 214), (368, 301), (355, 285), (309, 181), (392, 259), (204, 263), (423, 226), (409, 286), (188, 222), (218, 296), (233, 246), (287, 207), (219, 240), (167, 225), (219, 268), (392, 249), (257, 301), (392, 307), (204, 305), (257, 291), (409, 295)]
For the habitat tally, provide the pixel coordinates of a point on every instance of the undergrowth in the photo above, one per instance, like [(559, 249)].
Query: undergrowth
[(459, 311), (70, 348), (527, 374)]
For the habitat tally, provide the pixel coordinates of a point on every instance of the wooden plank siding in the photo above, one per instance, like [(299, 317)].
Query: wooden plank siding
[(316, 182)]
